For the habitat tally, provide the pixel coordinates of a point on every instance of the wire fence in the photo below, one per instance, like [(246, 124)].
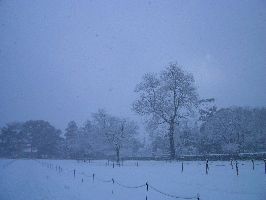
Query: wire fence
[(145, 185), (130, 187), (113, 181), (171, 195)]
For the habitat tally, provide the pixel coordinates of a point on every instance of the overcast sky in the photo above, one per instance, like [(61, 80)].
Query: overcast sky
[(62, 60)]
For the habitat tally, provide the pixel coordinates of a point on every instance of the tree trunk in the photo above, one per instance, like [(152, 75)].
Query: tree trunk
[(171, 140), (117, 155)]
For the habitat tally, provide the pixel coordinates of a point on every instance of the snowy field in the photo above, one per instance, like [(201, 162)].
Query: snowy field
[(41, 180)]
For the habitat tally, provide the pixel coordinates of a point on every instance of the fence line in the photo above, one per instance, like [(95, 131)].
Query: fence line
[(126, 186), (173, 162), (49, 165), (130, 187), (171, 195)]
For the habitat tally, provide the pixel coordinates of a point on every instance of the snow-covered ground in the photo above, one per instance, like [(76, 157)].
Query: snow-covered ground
[(34, 180)]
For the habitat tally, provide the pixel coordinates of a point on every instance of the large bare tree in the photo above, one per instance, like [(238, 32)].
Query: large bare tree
[(167, 98)]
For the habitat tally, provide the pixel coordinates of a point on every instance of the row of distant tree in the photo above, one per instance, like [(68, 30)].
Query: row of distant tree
[(228, 130), (177, 120), (225, 131), (103, 136)]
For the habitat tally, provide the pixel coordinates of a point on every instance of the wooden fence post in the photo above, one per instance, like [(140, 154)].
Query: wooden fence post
[(147, 189), (236, 168)]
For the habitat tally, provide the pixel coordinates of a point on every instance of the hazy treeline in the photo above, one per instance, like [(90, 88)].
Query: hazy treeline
[(103, 136), (178, 122), (227, 130)]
